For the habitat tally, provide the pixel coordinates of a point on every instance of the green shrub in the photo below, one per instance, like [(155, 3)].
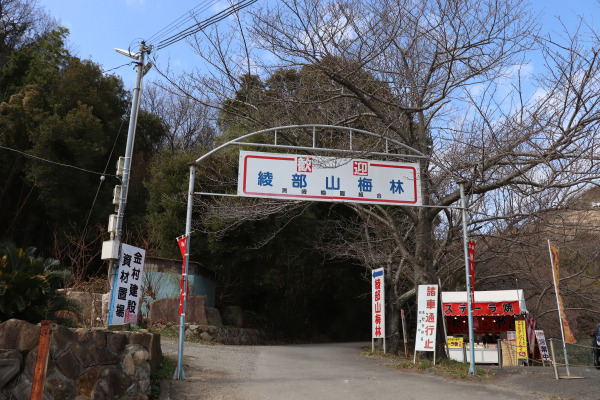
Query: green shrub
[(29, 286)]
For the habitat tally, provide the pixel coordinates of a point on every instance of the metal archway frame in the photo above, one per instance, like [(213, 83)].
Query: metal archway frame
[(240, 141), (414, 153)]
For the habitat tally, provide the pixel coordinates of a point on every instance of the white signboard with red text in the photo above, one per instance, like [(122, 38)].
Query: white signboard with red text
[(128, 286), (378, 304), (426, 317), (308, 177), (541, 339)]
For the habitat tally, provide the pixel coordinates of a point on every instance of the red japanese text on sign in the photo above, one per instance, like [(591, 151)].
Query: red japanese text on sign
[(378, 298), (426, 317), (483, 309)]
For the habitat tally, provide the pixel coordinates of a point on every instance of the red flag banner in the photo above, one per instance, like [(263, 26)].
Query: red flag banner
[(182, 242), (471, 248)]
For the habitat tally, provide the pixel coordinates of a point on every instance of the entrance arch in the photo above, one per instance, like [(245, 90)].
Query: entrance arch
[(309, 132)]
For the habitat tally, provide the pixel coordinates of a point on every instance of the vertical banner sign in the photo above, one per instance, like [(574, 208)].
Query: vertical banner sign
[(521, 340), (182, 242), (541, 339), (128, 285), (378, 304), (471, 249), (569, 338), (426, 318)]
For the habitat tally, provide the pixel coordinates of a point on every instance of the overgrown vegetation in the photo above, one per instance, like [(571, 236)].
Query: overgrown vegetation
[(29, 286), (443, 366), (165, 372)]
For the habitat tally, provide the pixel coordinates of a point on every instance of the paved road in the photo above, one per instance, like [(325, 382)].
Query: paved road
[(316, 371)]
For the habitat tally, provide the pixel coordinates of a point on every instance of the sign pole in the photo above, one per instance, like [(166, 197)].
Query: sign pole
[(179, 375), (404, 333), (468, 279), (443, 319)]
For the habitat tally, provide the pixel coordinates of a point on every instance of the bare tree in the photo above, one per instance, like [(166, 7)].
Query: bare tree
[(78, 250), (446, 77), (518, 257), (24, 22), (190, 125)]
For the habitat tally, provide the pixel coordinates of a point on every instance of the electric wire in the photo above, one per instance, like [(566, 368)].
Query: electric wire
[(101, 180), (112, 69), (204, 24), (87, 221), (185, 18), (53, 162)]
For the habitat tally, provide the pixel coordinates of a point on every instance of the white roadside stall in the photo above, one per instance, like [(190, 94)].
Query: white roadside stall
[(494, 314)]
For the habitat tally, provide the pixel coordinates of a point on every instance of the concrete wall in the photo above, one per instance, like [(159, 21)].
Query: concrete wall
[(166, 276)]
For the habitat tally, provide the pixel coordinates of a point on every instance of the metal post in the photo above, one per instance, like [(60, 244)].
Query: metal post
[(554, 366), (135, 106), (467, 274), (404, 333), (499, 344), (443, 319), (179, 375)]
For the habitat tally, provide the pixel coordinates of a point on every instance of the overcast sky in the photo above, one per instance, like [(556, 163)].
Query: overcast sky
[(98, 26)]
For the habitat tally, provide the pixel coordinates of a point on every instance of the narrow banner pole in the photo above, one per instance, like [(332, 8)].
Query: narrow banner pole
[(179, 375), (562, 330), (443, 319), (468, 280), (404, 333)]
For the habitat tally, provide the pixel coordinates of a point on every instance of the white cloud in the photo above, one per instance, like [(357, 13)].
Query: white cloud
[(134, 3), (525, 71), (220, 6)]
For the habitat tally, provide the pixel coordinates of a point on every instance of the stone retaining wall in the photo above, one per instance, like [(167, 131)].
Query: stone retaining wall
[(91, 308), (83, 363), (221, 334)]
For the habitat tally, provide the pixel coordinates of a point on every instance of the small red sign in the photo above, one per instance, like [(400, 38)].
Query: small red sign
[(304, 164), (360, 168)]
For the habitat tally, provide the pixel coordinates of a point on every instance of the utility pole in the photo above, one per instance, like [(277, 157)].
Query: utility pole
[(111, 249), (463, 204)]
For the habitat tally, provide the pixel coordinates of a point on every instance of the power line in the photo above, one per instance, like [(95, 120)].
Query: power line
[(102, 180), (180, 21), (55, 162), (204, 24), (112, 69)]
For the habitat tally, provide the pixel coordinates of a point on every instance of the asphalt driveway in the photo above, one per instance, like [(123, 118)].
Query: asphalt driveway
[(337, 371)]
